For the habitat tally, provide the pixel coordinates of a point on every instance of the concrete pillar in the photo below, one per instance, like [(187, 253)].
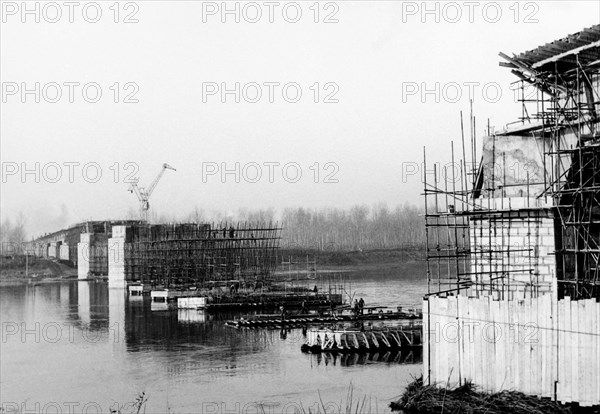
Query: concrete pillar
[(92, 255), (52, 250), (83, 255), (116, 258), (64, 252)]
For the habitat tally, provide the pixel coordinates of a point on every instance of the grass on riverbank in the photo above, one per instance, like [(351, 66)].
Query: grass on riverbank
[(13, 269), (349, 405), (356, 258), (428, 399)]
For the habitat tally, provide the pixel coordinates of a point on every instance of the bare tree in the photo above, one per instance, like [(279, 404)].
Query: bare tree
[(13, 236)]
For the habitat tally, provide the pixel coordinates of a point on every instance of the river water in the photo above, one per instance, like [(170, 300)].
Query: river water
[(81, 347)]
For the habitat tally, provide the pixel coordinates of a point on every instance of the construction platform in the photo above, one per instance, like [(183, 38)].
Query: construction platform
[(276, 321), (138, 289), (327, 340), (168, 295), (203, 299), (271, 303)]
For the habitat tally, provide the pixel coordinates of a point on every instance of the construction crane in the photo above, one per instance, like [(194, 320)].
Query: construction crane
[(143, 194)]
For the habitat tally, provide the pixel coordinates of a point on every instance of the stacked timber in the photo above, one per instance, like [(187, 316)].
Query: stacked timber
[(327, 340), (276, 321)]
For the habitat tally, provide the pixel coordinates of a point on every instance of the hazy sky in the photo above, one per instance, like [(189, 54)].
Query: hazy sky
[(366, 67)]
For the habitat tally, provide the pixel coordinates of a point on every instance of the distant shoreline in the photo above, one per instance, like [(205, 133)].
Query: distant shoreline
[(357, 261)]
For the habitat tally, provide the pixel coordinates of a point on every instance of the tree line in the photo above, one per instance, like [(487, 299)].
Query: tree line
[(360, 227), (336, 229)]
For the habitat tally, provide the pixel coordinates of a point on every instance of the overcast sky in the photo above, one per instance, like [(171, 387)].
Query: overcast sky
[(364, 62)]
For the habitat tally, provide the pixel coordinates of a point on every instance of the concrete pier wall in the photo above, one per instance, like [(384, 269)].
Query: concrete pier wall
[(539, 346), (116, 258), (92, 255)]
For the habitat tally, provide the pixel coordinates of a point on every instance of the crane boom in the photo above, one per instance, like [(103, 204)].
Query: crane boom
[(143, 194), (158, 177)]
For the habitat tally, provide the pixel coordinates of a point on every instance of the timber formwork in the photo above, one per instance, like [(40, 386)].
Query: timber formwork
[(241, 255)]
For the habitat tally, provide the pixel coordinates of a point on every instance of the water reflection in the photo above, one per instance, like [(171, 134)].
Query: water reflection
[(414, 356), (112, 347), (190, 316)]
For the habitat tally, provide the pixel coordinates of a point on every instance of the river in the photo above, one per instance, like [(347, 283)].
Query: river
[(81, 347)]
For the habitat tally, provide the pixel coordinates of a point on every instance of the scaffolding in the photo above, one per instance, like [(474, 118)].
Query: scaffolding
[(300, 275), (202, 255), (488, 226)]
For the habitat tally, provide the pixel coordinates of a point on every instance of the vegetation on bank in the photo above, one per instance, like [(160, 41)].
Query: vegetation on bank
[(356, 259), (428, 399), (12, 235), (18, 268)]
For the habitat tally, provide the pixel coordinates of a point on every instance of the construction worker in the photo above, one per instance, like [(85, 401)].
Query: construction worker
[(303, 309), (282, 310)]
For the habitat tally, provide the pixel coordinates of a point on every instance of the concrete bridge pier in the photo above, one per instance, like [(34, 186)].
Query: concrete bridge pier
[(116, 258), (92, 255)]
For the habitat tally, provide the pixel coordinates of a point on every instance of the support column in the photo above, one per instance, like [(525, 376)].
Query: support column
[(116, 258), (83, 255)]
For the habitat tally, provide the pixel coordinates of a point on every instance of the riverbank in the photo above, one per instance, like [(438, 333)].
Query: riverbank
[(357, 260), (15, 270), (379, 262), (426, 399)]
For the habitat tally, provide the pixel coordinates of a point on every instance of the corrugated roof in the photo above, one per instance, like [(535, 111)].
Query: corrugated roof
[(583, 46)]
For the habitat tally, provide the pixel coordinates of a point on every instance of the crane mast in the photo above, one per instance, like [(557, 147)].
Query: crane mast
[(143, 194)]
